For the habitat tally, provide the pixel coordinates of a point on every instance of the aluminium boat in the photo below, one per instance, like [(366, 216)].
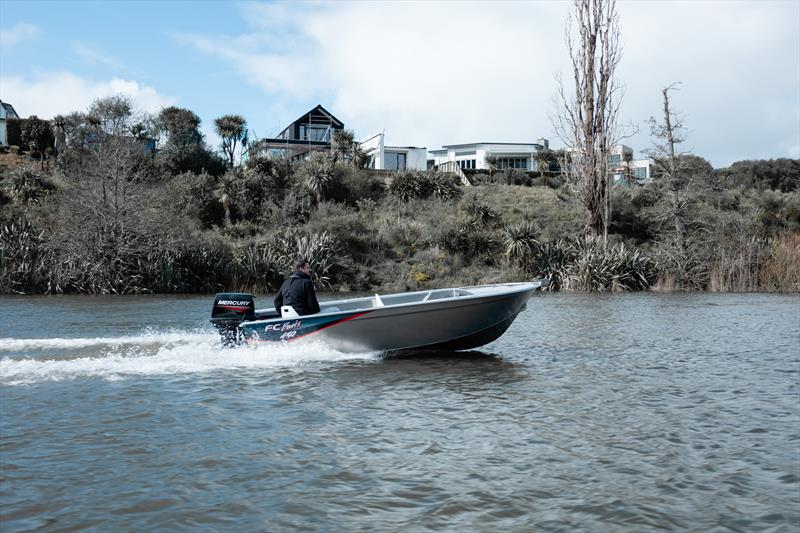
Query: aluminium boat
[(441, 319)]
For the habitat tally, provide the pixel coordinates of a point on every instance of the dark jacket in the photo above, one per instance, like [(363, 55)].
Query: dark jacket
[(298, 291)]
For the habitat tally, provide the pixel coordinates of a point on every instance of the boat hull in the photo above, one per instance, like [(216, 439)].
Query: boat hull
[(451, 324)]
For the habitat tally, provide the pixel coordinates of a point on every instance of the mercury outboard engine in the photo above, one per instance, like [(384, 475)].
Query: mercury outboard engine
[(231, 309)]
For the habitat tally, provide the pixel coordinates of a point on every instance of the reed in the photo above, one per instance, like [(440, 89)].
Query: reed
[(780, 270)]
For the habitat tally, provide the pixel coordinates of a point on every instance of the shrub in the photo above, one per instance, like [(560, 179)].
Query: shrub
[(478, 215), (444, 186), (520, 243), (410, 185), (611, 268), (24, 259), (321, 249), (29, 187), (319, 174), (417, 185), (356, 185), (551, 259), (471, 243), (14, 133), (195, 196)]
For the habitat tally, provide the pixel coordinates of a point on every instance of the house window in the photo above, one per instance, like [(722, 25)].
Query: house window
[(640, 173), (275, 153), (512, 162), (314, 132), (394, 161), (466, 164), (614, 159)]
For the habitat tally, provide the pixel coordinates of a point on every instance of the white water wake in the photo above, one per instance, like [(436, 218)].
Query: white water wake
[(149, 354), (145, 338)]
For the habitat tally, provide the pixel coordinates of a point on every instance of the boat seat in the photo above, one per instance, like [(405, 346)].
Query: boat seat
[(287, 311), (378, 301)]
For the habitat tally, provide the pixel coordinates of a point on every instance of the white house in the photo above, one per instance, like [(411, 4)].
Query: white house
[(6, 112), (622, 165), (508, 155), (382, 157)]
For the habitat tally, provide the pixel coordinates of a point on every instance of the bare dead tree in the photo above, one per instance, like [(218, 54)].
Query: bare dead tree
[(675, 171), (669, 167), (109, 220), (587, 122)]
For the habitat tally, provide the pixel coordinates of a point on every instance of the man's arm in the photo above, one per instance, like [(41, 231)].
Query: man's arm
[(279, 299), (311, 298)]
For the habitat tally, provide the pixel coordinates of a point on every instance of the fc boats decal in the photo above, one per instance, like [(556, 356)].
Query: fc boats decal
[(293, 329)]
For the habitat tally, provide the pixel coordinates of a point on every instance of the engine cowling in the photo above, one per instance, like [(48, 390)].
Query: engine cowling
[(231, 309)]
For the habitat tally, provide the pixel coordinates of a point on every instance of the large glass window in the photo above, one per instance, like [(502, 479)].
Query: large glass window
[(394, 161), (466, 164), (314, 132), (512, 162)]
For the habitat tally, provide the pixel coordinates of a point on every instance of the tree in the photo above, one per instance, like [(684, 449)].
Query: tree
[(110, 221), (543, 159), (182, 127), (233, 130), (226, 191), (667, 160), (676, 175), (185, 150), (112, 114), (627, 158), (491, 163), (360, 157), (37, 134), (319, 173), (587, 121), (342, 144)]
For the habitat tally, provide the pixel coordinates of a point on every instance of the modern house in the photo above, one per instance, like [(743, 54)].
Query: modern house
[(624, 168), (382, 157), (473, 156), (312, 132), (6, 111)]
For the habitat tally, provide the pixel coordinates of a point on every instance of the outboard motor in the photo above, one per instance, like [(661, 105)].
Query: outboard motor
[(231, 309)]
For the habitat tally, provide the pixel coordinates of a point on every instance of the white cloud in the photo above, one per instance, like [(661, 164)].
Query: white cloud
[(443, 73), (94, 55), (20, 32), (53, 93)]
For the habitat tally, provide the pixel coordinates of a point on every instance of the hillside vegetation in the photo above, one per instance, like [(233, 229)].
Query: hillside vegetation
[(111, 216)]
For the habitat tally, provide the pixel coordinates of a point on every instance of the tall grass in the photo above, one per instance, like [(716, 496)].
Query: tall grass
[(758, 264), (780, 270)]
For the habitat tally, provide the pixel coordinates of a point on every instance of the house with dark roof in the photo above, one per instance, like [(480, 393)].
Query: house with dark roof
[(311, 132), (6, 111)]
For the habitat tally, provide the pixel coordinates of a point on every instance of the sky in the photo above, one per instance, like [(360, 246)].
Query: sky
[(424, 73)]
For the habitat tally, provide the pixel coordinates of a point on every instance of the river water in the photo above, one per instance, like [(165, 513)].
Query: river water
[(623, 412)]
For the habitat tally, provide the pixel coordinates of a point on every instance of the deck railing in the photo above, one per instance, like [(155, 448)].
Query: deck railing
[(454, 168)]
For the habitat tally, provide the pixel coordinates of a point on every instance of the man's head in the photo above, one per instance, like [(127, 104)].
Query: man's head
[(302, 265)]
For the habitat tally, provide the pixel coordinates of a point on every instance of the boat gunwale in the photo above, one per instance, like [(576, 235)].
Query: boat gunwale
[(517, 286)]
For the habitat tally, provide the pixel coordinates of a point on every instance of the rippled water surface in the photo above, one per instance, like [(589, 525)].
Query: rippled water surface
[(594, 412)]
